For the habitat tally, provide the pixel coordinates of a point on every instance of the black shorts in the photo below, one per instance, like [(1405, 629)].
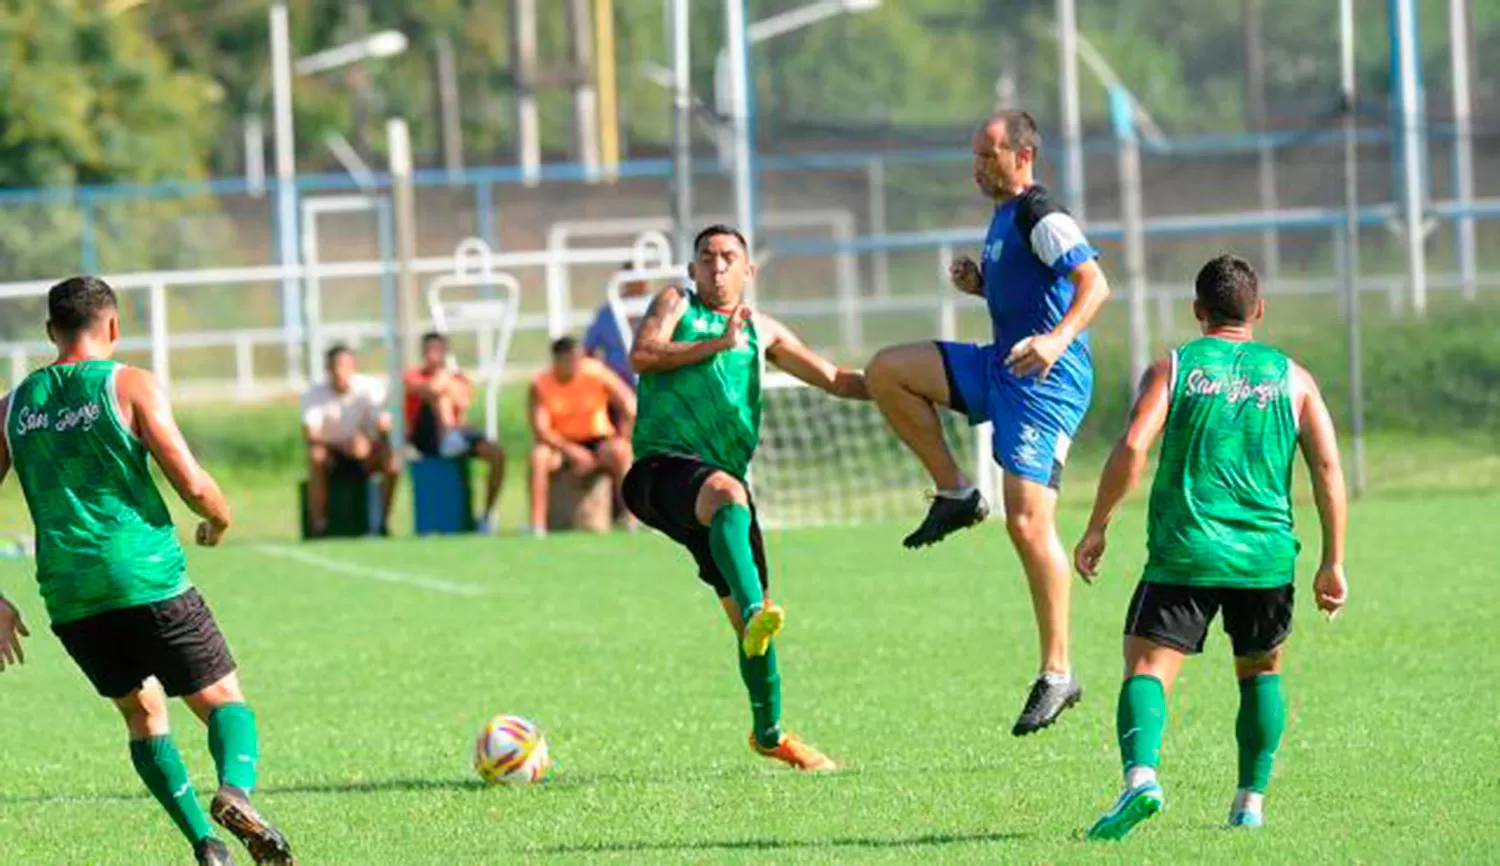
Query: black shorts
[(176, 641), (591, 445), (341, 465), (424, 435), (662, 490), (1256, 620)]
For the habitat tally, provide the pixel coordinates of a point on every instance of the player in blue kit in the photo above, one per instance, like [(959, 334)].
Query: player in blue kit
[(1042, 284)]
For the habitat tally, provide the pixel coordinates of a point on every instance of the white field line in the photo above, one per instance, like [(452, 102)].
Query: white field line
[(383, 575)]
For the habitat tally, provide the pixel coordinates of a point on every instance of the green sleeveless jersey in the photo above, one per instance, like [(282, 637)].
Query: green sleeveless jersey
[(1221, 507), (709, 410), (104, 537)]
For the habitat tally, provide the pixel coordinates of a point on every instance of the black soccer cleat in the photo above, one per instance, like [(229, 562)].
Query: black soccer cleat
[(265, 843), (1046, 702), (946, 516), (212, 852)]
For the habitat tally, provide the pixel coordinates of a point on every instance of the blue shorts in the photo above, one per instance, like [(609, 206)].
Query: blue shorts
[(1034, 422)]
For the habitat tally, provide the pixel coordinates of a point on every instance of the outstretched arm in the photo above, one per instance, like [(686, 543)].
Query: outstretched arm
[(12, 627), (1320, 448), (654, 351), (4, 447), (1126, 463), (151, 419), (787, 351)]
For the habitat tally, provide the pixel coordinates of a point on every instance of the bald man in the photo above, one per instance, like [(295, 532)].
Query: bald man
[(1042, 284)]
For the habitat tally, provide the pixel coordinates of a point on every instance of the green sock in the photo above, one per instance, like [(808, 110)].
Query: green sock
[(234, 744), (160, 766), (729, 541), (1258, 729), (1139, 721), (763, 682)]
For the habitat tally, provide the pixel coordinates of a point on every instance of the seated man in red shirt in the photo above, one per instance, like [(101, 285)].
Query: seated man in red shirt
[(438, 396)]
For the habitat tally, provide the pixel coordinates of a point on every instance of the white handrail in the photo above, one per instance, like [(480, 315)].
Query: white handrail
[(624, 309), (499, 312)]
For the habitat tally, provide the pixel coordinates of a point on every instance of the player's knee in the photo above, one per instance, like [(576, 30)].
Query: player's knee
[(144, 712), (225, 691), (1255, 665), (719, 491), (884, 370), (1027, 527)]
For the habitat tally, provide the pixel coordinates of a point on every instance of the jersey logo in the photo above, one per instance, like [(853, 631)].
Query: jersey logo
[(83, 417), (701, 325), (1235, 391), (993, 249), (1029, 452)]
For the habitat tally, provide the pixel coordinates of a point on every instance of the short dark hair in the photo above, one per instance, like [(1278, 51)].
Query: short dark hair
[(720, 229), (334, 352), (77, 303), (434, 336), (564, 346), (1021, 131), (1228, 289)]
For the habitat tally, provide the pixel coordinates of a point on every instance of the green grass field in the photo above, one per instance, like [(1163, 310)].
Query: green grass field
[(373, 664)]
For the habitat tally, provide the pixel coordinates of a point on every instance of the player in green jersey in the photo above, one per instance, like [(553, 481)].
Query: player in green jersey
[(699, 354), (1231, 414), (111, 572)]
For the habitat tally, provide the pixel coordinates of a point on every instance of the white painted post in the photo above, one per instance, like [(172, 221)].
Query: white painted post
[(17, 365), (846, 286), (312, 295), (880, 259), (157, 300), (947, 309), (244, 366)]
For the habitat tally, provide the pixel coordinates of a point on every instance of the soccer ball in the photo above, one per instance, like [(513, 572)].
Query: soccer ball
[(512, 751)]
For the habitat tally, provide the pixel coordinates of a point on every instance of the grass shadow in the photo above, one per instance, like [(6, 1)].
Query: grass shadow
[(924, 840), (564, 782), (377, 787)]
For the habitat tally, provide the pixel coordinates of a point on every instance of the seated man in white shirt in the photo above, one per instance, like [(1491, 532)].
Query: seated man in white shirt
[(348, 432)]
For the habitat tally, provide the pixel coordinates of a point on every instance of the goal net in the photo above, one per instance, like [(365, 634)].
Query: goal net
[(826, 461)]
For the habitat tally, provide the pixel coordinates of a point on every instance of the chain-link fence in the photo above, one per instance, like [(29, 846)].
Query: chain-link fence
[(862, 114)]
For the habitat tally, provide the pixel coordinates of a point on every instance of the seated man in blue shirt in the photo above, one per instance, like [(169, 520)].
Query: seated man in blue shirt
[(1040, 280), (603, 340)]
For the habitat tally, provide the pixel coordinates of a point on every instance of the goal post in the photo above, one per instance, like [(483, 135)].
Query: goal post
[(827, 461)]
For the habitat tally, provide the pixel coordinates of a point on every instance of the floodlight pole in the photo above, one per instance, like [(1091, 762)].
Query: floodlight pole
[(286, 186), (682, 130), (736, 32), (1072, 123), (1350, 264), (1409, 101), (1463, 144), (1122, 108)]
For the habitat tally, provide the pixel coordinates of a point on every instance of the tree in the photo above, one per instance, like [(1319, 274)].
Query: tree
[(87, 98)]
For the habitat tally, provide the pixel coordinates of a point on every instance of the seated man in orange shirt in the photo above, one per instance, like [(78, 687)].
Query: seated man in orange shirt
[(438, 395), (570, 419)]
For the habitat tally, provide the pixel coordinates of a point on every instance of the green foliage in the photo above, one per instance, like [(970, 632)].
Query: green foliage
[(86, 97)]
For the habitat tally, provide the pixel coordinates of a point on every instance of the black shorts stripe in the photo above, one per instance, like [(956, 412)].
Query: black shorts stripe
[(955, 396)]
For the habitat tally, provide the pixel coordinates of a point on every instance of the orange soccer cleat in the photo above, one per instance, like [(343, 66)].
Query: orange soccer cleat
[(796, 754)]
